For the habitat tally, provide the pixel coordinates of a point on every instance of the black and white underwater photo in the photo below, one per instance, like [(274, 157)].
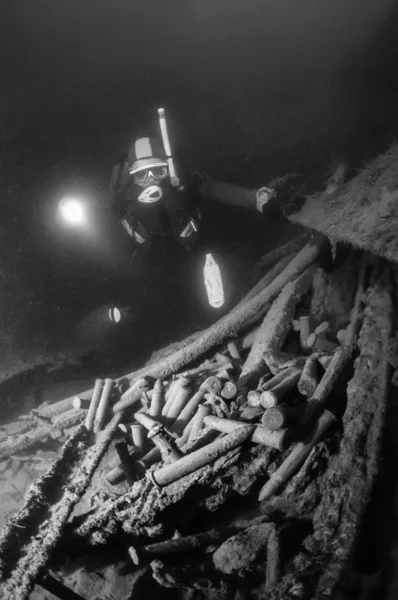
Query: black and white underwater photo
[(198, 300)]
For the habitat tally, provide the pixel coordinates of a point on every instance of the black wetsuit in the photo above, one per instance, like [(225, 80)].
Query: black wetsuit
[(169, 216)]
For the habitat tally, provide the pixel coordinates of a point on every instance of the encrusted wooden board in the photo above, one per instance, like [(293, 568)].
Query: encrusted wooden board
[(363, 212)]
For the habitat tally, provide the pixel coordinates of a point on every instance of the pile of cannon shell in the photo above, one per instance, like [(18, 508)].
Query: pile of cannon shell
[(193, 417)]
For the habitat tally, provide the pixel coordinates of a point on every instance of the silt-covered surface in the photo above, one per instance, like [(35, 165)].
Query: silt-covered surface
[(363, 212)]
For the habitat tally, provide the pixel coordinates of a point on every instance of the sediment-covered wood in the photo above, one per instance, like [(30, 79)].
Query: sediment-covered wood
[(343, 354), (240, 319), (347, 483), (136, 512), (276, 324), (275, 255), (47, 525)]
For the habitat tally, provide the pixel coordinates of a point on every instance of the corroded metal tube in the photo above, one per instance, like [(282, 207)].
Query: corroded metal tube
[(95, 398), (297, 456), (103, 406), (131, 396), (276, 395), (261, 435), (157, 400), (197, 426), (180, 401), (204, 456)]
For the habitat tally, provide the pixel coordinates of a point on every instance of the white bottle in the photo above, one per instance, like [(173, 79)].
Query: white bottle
[(213, 282)]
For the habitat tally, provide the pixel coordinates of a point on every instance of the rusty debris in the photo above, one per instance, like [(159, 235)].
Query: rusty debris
[(244, 411)]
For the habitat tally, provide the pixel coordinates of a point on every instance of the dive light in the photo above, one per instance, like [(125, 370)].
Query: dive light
[(72, 210)]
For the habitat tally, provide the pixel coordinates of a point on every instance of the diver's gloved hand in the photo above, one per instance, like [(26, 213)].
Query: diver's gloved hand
[(195, 180), (282, 196)]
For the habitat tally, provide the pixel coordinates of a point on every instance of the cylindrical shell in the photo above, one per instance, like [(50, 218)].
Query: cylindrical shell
[(125, 462), (132, 396), (253, 398), (138, 438), (124, 428), (180, 401), (272, 439), (191, 462), (165, 443), (157, 401), (278, 361), (273, 570), (280, 416), (297, 456), (311, 340), (189, 410), (169, 392), (260, 435), (309, 376), (145, 402), (250, 413), (305, 330), (322, 328), (272, 383), (185, 434), (47, 411), (229, 390), (277, 394), (83, 403), (149, 393), (68, 418), (95, 398), (179, 383), (213, 384), (154, 455), (115, 475), (221, 358), (145, 420), (103, 406), (274, 418), (150, 458), (197, 426), (206, 366), (341, 335)]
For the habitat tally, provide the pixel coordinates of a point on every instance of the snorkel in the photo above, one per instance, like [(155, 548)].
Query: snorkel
[(174, 180)]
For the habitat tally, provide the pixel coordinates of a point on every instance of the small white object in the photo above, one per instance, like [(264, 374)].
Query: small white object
[(153, 193), (263, 196), (76, 402), (322, 328), (115, 314), (296, 325), (213, 282), (311, 340)]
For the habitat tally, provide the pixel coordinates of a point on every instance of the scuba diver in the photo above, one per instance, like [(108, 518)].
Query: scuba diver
[(149, 199), (152, 204)]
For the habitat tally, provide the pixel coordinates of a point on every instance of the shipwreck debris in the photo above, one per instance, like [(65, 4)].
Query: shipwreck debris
[(227, 416)]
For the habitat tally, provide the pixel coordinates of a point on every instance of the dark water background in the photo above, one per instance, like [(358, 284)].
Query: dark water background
[(253, 90)]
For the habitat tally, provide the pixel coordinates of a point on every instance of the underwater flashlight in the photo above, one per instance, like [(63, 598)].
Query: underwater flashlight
[(72, 210)]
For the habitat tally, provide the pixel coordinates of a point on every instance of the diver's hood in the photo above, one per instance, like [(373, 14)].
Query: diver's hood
[(151, 194)]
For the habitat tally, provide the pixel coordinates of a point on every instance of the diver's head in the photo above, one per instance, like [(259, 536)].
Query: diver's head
[(148, 168)]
